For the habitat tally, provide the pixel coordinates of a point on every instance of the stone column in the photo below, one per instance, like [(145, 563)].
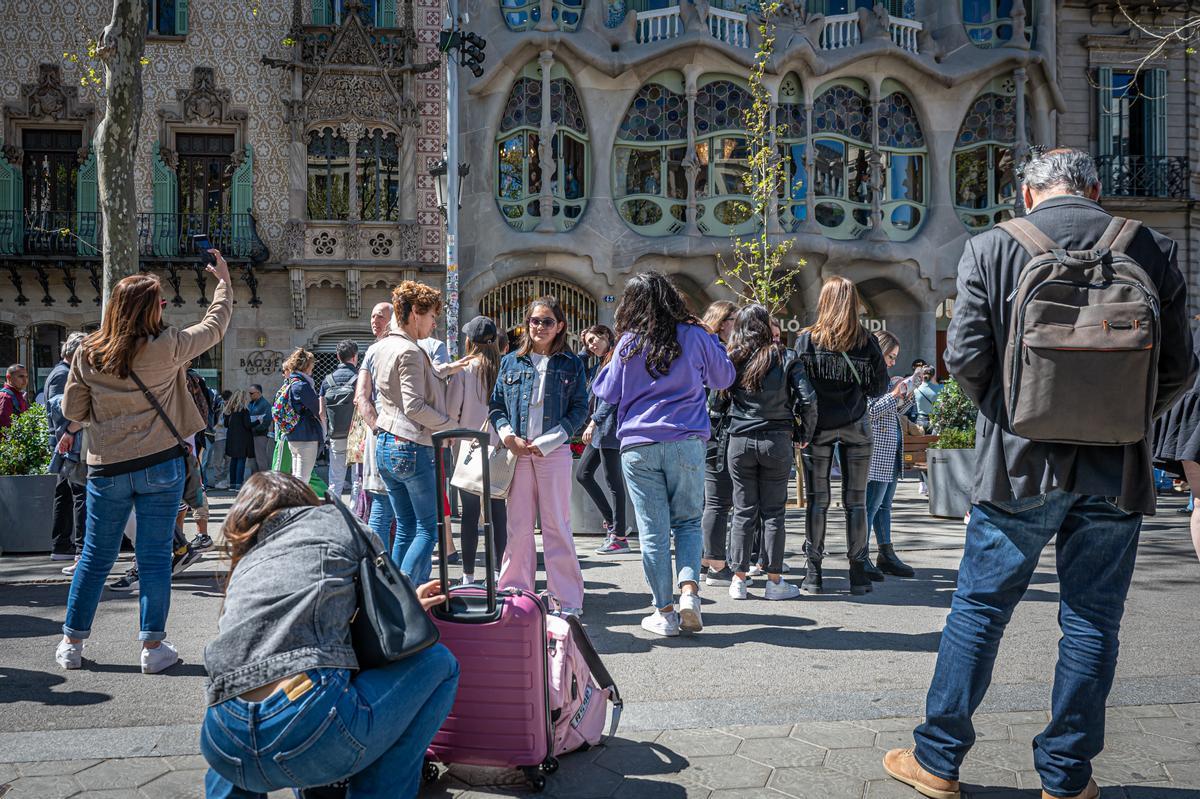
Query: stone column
[(545, 149), (1021, 148), (353, 131), (691, 162), (1019, 40), (810, 166), (877, 232)]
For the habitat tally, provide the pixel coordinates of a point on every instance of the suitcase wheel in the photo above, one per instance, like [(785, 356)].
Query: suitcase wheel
[(536, 780), (550, 765), (430, 772)]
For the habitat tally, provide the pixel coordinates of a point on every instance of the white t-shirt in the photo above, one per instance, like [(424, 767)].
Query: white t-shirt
[(550, 440)]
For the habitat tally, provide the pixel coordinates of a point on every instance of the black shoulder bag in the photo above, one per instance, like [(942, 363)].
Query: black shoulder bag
[(390, 623), (193, 486)]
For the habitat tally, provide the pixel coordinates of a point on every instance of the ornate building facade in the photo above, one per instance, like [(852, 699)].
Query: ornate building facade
[(605, 138), (298, 136)]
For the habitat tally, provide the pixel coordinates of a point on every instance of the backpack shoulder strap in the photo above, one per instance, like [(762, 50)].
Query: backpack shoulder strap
[(1029, 236), (598, 670), (1119, 234)]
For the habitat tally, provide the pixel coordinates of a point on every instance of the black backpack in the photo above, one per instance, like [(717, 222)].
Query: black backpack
[(339, 403)]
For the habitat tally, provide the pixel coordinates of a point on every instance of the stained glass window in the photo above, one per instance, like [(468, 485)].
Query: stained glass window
[(989, 22), (523, 15), (650, 184), (984, 181), (842, 170), (792, 123), (902, 149), (656, 114)]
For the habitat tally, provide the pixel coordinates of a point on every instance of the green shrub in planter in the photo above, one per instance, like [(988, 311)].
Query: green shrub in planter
[(953, 418), (23, 447)]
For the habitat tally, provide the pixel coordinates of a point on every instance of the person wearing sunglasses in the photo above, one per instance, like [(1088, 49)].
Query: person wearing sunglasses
[(539, 401)]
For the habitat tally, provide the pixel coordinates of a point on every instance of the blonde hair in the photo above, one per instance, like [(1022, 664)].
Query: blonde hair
[(237, 402), (300, 360), (837, 328), (716, 314)]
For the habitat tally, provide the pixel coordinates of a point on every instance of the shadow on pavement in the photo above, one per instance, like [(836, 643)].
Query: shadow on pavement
[(23, 685), (180, 669), (23, 626)]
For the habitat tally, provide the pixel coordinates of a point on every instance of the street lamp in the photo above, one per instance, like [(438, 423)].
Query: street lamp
[(441, 182)]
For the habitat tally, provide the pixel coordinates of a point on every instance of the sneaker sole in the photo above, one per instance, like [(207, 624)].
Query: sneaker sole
[(859, 590), (781, 598), (690, 621), (811, 589), (739, 596), (717, 581), (924, 790), (160, 669), (665, 634), (68, 666)]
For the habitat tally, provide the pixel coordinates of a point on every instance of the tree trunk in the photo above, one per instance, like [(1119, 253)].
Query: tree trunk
[(121, 46)]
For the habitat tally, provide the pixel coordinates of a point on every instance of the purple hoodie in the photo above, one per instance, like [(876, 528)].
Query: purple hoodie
[(668, 408)]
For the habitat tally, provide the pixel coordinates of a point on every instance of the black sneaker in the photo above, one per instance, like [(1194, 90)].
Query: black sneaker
[(127, 582), (202, 543), (455, 559), (183, 558), (721, 577)]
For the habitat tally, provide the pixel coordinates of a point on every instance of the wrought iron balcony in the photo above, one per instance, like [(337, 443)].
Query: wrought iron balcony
[(62, 241), (1166, 177)]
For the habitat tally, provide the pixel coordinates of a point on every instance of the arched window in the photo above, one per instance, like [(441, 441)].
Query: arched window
[(723, 207), (902, 148), (328, 175), (523, 15), (984, 182), (518, 158), (378, 163), (842, 145), (508, 302), (793, 138), (989, 22), (649, 180)]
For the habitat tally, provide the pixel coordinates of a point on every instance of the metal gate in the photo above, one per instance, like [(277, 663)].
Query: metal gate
[(325, 352), (508, 302)]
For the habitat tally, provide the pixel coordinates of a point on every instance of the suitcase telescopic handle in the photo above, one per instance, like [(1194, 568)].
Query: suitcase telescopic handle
[(447, 609)]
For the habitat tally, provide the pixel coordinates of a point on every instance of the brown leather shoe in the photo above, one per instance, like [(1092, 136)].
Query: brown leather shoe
[(1090, 792), (902, 765)]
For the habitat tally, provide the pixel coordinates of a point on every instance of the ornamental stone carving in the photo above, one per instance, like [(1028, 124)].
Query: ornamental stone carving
[(47, 100)]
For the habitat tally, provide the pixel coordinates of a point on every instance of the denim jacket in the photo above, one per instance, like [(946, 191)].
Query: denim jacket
[(288, 604), (604, 416), (566, 401)]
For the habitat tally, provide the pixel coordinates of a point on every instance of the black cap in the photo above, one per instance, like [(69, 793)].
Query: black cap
[(481, 330)]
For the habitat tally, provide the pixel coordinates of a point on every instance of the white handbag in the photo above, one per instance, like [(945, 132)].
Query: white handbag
[(468, 469)]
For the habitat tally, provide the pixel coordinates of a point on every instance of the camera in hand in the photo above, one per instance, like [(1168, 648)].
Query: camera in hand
[(202, 246)]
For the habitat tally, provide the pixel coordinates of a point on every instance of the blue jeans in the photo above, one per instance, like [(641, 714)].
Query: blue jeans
[(407, 471), (153, 494), (879, 510), (666, 483), (1096, 545), (373, 727), (237, 472), (381, 517)]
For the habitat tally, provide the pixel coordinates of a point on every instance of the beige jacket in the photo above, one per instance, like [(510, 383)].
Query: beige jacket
[(409, 395), (468, 400), (122, 425)]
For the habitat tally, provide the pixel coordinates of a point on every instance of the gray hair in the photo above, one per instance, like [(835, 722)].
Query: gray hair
[(13, 369), (1067, 169), (71, 344)]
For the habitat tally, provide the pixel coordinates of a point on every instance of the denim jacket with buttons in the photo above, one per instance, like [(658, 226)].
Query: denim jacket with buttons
[(289, 603), (566, 396)]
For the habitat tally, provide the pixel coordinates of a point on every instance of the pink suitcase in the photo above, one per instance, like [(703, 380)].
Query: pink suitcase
[(501, 715)]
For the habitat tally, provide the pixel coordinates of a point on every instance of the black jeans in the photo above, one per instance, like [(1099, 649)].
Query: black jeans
[(70, 516), (759, 465), (469, 528), (589, 462), (718, 504), (854, 452)]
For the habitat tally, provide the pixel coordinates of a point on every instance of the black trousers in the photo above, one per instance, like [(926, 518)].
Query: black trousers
[(589, 462), (759, 465), (854, 451), (70, 516), (718, 504), (471, 507)]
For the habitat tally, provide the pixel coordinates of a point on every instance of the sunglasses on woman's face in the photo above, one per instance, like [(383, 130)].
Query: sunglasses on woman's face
[(542, 321)]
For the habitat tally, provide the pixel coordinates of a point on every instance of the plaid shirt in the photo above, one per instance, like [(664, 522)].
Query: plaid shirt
[(885, 431)]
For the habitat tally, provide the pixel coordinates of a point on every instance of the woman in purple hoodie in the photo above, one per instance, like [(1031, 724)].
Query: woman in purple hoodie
[(665, 360)]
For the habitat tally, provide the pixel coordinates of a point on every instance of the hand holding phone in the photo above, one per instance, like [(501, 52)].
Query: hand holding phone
[(202, 245)]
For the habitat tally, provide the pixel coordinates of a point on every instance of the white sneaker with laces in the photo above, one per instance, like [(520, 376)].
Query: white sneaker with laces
[(737, 588), (68, 655), (781, 590), (689, 613), (662, 623), (468, 579), (160, 658), (755, 571), (70, 570)]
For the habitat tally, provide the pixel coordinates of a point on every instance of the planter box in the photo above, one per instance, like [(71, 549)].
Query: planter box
[(585, 518), (951, 477), (27, 513)]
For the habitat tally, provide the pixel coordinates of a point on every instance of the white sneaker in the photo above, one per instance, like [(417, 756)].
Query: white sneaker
[(781, 590), (662, 623), (689, 613), (737, 588), (162, 657), (68, 655), (755, 571), (70, 570), (468, 579)]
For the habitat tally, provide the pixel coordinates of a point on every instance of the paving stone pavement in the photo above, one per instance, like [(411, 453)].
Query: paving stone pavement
[(1151, 752)]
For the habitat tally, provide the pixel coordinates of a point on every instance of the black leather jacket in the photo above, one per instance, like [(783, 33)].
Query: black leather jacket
[(786, 401)]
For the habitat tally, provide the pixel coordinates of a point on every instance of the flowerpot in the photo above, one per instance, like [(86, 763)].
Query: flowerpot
[(27, 513), (585, 518), (951, 479)]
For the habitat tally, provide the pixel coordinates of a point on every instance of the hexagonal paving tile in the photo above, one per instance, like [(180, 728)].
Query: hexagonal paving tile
[(725, 772), (1015, 755), (833, 734), (115, 793), (865, 763), (124, 773), (582, 781), (177, 785), (49, 786), (1139, 711), (659, 788), (815, 783), (782, 752), (1121, 768), (699, 743), (1151, 747), (893, 739), (986, 776), (762, 731), (633, 738), (888, 725), (1190, 710), (1180, 729), (889, 789), (1184, 773), (52, 767), (748, 793), (477, 776), (644, 760)]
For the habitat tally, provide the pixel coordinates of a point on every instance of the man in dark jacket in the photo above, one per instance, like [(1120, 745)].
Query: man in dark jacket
[(337, 406), (1090, 500)]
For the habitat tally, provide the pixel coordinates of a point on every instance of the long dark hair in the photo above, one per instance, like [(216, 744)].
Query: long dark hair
[(263, 495), (560, 341), (751, 346), (488, 357), (605, 332), (132, 315), (650, 309)]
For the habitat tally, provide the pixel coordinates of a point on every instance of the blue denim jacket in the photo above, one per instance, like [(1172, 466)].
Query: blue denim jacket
[(605, 418), (566, 401)]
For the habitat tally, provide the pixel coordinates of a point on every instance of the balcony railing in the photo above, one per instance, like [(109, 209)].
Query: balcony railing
[(658, 25), (840, 31), (1166, 177), (904, 33), (78, 234), (728, 26)]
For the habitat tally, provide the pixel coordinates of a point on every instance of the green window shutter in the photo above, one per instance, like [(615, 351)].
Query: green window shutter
[(322, 14), (386, 16), (87, 204), (166, 206), (241, 203), (1155, 102), (12, 197), (1106, 114), (181, 17)]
